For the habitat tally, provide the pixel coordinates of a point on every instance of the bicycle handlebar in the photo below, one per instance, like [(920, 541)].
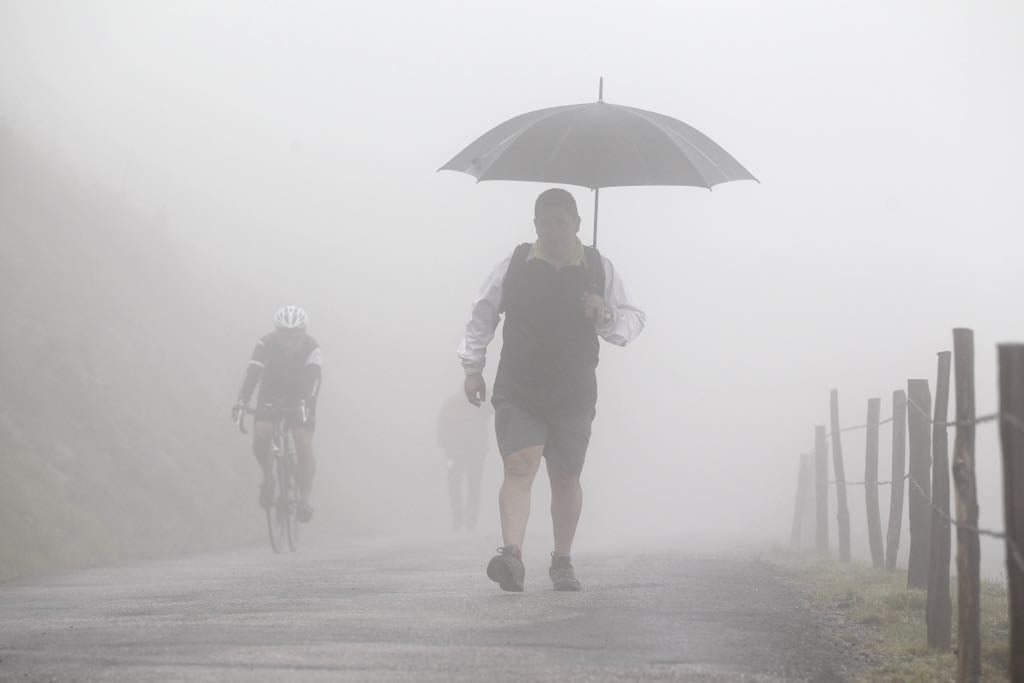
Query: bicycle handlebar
[(272, 410)]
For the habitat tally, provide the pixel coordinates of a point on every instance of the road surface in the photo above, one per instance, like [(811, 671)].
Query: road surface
[(398, 611)]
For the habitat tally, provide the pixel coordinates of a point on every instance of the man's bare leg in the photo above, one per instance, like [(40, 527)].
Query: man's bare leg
[(514, 498), (566, 505), (506, 568)]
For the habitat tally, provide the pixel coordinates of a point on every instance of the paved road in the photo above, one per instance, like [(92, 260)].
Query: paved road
[(376, 611)]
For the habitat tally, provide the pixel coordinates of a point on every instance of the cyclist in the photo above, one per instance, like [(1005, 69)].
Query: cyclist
[(286, 364)]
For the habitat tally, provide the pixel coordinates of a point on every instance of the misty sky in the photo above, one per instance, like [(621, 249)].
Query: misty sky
[(294, 147)]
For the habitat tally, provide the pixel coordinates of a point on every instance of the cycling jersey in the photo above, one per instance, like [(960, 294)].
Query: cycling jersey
[(284, 376)]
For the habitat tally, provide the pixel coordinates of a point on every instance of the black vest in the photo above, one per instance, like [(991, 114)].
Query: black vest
[(550, 350)]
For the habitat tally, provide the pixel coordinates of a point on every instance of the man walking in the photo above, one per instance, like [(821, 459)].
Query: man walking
[(558, 298), (462, 435)]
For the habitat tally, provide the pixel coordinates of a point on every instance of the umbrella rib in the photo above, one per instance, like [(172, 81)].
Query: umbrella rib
[(671, 135), (507, 142), (558, 145)]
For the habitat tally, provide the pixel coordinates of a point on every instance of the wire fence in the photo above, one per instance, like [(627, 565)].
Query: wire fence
[(854, 428), (929, 534), (981, 419), (877, 483), (1014, 551)]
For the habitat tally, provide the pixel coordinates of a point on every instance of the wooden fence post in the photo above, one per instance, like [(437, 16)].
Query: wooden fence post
[(919, 406), (1011, 430), (803, 491), (871, 484), (821, 490), (842, 511), (939, 612), (807, 525), (968, 551), (899, 463)]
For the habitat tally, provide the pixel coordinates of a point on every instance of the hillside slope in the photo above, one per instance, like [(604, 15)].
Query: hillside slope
[(114, 436)]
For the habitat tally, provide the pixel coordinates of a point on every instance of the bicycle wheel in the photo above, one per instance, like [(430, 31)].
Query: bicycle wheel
[(290, 465), (277, 513)]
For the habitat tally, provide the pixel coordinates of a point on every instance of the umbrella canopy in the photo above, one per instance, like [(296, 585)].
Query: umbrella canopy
[(598, 145)]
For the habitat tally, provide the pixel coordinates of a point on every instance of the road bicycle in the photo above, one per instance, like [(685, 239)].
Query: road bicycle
[(282, 521)]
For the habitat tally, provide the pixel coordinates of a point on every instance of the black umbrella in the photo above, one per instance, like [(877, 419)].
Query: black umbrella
[(597, 145)]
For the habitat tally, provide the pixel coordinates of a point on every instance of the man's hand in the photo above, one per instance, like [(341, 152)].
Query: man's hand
[(476, 388), (594, 308)]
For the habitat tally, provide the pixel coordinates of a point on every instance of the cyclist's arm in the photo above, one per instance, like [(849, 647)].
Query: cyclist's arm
[(312, 375), (253, 372)]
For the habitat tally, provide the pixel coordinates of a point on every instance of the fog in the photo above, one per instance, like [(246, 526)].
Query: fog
[(291, 151)]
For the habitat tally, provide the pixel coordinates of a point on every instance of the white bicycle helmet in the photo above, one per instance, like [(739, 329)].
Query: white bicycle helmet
[(290, 318)]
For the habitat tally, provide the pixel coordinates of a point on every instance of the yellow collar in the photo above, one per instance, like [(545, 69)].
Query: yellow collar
[(537, 251)]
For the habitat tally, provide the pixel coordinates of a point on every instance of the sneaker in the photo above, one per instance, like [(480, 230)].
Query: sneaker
[(304, 512), (563, 576), (267, 494), (506, 569)]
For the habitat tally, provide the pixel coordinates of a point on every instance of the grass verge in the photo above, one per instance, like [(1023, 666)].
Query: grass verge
[(887, 620)]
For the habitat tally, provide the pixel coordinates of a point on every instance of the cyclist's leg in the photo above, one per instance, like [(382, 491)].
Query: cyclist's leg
[(307, 462), (262, 433)]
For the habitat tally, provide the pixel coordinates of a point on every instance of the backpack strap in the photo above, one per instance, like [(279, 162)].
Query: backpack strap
[(515, 267), (521, 253)]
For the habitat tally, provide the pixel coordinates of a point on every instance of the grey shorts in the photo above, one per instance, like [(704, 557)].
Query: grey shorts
[(565, 437)]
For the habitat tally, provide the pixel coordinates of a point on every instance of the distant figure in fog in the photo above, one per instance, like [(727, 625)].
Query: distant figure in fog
[(286, 364), (463, 434), (558, 298)]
